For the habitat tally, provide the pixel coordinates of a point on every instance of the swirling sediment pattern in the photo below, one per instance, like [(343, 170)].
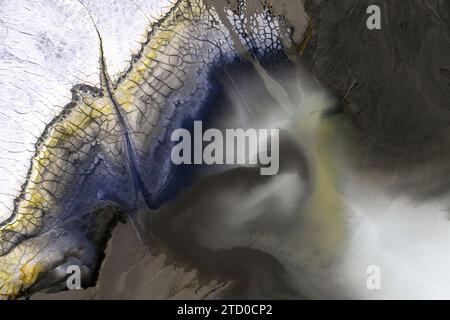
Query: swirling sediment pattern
[(108, 151)]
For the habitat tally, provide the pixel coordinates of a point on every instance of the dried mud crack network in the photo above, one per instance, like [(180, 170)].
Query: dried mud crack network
[(108, 151)]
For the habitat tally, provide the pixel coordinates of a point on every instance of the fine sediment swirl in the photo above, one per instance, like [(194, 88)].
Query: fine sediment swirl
[(108, 152)]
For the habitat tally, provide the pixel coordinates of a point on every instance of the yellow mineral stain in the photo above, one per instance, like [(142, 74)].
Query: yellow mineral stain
[(306, 39), (29, 274), (125, 92), (37, 198), (324, 210), (74, 124)]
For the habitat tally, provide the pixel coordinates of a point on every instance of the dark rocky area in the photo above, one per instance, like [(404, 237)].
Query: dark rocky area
[(394, 82)]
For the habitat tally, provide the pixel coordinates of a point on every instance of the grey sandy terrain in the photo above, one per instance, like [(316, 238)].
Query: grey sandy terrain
[(131, 271)]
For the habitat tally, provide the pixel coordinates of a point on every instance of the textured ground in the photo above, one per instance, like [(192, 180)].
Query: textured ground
[(363, 150), (106, 153)]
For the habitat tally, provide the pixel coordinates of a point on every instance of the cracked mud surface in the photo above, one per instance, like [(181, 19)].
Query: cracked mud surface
[(363, 149), (108, 150)]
